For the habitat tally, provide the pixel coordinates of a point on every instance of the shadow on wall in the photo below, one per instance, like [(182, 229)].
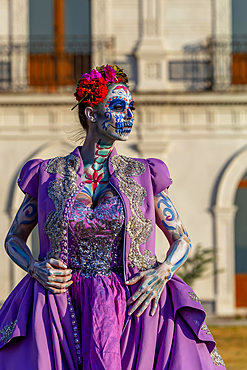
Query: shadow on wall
[(47, 150)]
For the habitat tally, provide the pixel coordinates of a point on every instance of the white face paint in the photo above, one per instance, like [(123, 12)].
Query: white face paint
[(116, 117)]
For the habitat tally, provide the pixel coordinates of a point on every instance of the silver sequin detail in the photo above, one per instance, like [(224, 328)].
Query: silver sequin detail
[(59, 191), (95, 256), (7, 332), (97, 250), (206, 329), (216, 357), (194, 297), (139, 228)]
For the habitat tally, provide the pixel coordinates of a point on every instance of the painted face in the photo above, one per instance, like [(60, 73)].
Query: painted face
[(117, 118)]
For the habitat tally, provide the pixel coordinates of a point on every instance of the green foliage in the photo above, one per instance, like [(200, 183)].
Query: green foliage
[(196, 265)]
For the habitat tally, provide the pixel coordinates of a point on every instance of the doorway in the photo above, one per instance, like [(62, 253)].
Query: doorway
[(241, 243), (239, 42)]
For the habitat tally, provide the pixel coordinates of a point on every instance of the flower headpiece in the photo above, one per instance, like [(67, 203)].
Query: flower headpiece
[(92, 87)]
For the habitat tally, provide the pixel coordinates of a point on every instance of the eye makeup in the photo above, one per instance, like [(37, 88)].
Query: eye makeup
[(132, 105), (117, 104)]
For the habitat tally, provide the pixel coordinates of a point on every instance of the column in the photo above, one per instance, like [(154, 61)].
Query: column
[(19, 37), (150, 53), (102, 42), (222, 40), (225, 260)]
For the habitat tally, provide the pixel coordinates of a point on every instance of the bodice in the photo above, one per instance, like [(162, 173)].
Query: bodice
[(95, 237)]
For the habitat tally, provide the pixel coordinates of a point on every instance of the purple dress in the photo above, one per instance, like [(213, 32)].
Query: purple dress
[(86, 327), (98, 291)]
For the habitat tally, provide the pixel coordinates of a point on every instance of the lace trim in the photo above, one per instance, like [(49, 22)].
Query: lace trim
[(139, 228), (7, 332), (206, 329), (59, 191), (194, 297), (216, 357)]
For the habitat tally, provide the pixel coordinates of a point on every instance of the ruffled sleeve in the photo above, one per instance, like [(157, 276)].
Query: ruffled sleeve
[(29, 177), (160, 175)]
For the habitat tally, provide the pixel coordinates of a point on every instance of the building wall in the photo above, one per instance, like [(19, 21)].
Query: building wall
[(4, 20), (181, 25), (186, 23)]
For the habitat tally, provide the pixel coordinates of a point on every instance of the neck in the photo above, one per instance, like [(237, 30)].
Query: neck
[(91, 150), (95, 164)]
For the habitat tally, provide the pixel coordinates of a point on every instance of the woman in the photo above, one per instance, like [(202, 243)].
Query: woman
[(97, 298)]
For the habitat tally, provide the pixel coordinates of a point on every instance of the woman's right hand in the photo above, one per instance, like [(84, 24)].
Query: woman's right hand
[(52, 274)]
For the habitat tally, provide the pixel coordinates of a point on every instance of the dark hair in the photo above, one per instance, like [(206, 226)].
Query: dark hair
[(82, 106), (82, 117)]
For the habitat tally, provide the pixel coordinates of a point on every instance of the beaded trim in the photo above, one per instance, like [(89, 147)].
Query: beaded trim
[(206, 329), (75, 328), (7, 332), (194, 297), (60, 190), (139, 228), (216, 357)]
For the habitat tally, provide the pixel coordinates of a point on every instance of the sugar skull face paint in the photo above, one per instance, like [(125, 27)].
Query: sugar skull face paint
[(117, 116)]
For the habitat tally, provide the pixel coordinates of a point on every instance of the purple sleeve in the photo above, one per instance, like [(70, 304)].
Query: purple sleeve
[(29, 177), (160, 175)]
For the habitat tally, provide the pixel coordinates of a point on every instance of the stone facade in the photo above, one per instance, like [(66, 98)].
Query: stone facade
[(200, 135)]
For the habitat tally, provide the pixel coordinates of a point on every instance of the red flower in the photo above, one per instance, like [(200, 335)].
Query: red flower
[(92, 91)]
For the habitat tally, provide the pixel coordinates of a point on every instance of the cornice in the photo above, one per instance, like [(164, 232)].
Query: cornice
[(144, 98), (49, 99), (190, 99)]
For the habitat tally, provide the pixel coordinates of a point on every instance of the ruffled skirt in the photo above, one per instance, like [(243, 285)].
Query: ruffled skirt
[(36, 330)]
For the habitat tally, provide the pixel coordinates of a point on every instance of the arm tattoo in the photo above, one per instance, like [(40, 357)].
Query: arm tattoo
[(26, 215), (24, 222), (172, 225)]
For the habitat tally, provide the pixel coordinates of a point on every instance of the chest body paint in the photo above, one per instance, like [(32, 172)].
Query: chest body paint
[(96, 176)]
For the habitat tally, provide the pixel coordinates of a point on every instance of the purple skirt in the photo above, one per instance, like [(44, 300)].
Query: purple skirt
[(36, 330), (100, 306)]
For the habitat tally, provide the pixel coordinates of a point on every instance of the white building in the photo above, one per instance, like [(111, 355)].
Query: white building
[(188, 68)]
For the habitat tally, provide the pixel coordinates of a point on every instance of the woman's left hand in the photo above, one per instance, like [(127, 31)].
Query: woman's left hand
[(152, 284)]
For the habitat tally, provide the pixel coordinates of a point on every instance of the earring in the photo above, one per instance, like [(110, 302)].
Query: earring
[(93, 119)]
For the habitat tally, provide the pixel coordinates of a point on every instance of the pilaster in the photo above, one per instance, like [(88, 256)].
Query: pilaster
[(102, 42), (18, 38), (222, 41), (225, 257), (150, 53)]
